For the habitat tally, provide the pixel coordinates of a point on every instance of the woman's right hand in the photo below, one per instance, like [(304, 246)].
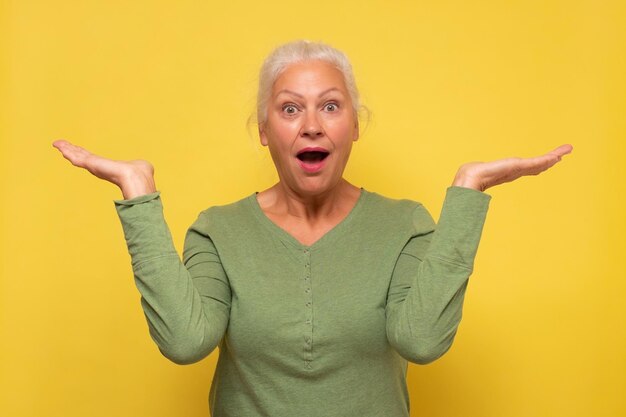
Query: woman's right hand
[(135, 178)]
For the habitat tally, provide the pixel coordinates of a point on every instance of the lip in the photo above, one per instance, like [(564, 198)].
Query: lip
[(312, 167), (312, 149)]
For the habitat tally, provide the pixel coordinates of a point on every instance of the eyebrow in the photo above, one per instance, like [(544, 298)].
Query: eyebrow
[(301, 96)]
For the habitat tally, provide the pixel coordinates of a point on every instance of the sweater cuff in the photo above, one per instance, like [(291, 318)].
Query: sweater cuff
[(145, 230), (138, 199), (460, 225)]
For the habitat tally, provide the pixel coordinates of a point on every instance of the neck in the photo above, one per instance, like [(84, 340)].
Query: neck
[(312, 208)]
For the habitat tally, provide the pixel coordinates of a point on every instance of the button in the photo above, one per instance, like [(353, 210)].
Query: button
[(308, 341), (308, 304), (308, 321), (307, 290)]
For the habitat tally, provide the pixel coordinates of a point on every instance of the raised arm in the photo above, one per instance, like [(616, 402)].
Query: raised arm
[(425, 298), (186, 304)]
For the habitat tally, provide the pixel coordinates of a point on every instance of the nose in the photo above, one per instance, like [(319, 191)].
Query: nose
[(312, 128)]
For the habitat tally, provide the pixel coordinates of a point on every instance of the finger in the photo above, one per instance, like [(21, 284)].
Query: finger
[(536, 165), (75, 154), (562, 150), (59, 142)]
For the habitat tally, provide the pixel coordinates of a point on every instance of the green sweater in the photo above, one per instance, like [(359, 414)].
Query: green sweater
[(320, 330)]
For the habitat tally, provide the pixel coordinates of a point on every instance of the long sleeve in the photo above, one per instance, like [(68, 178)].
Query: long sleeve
[(425, 298), (186, 304)]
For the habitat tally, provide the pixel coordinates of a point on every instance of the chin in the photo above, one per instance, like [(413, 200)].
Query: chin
[(313, 186)]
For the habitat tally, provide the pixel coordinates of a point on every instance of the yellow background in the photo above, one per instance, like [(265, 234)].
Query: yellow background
[(543, 332)]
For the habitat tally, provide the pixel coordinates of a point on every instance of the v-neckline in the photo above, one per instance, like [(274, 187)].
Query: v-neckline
[(289, 238)]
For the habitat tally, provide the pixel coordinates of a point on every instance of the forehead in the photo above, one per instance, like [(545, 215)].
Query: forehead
[(310, 77)]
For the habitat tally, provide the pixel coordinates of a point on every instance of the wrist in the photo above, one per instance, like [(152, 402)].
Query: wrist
[(461, 180), (135, 185)]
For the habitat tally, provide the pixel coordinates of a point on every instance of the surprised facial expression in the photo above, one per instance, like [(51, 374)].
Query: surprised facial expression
[(310, 127)]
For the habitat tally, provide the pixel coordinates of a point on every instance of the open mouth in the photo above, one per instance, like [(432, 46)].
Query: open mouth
[(312, 157), (312, 160)]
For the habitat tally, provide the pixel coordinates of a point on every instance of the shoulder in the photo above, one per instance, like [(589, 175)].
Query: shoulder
[(224, 216), (403, 213)]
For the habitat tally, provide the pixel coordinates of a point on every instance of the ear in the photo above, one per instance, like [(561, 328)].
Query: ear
[(355, 137), (262, 134)]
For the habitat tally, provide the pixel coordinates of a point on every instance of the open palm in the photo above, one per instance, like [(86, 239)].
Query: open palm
[(134, 177), (483, 175)]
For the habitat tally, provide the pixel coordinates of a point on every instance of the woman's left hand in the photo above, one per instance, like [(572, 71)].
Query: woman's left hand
[(483, 175)]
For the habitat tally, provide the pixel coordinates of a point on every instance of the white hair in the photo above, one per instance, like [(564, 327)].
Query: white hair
[(301, 51)]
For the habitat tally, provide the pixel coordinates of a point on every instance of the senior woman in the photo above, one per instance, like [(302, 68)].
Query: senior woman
[(318, 292)]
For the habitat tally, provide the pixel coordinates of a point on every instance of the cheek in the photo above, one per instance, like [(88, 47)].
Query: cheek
[(280, 135), (280, 144), (285, 129), (340, 130)]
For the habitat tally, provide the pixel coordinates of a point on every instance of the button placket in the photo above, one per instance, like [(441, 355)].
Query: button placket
[(308, 311)]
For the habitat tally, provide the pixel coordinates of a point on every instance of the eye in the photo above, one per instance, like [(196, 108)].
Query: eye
[(290, 109), (331, 107)]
